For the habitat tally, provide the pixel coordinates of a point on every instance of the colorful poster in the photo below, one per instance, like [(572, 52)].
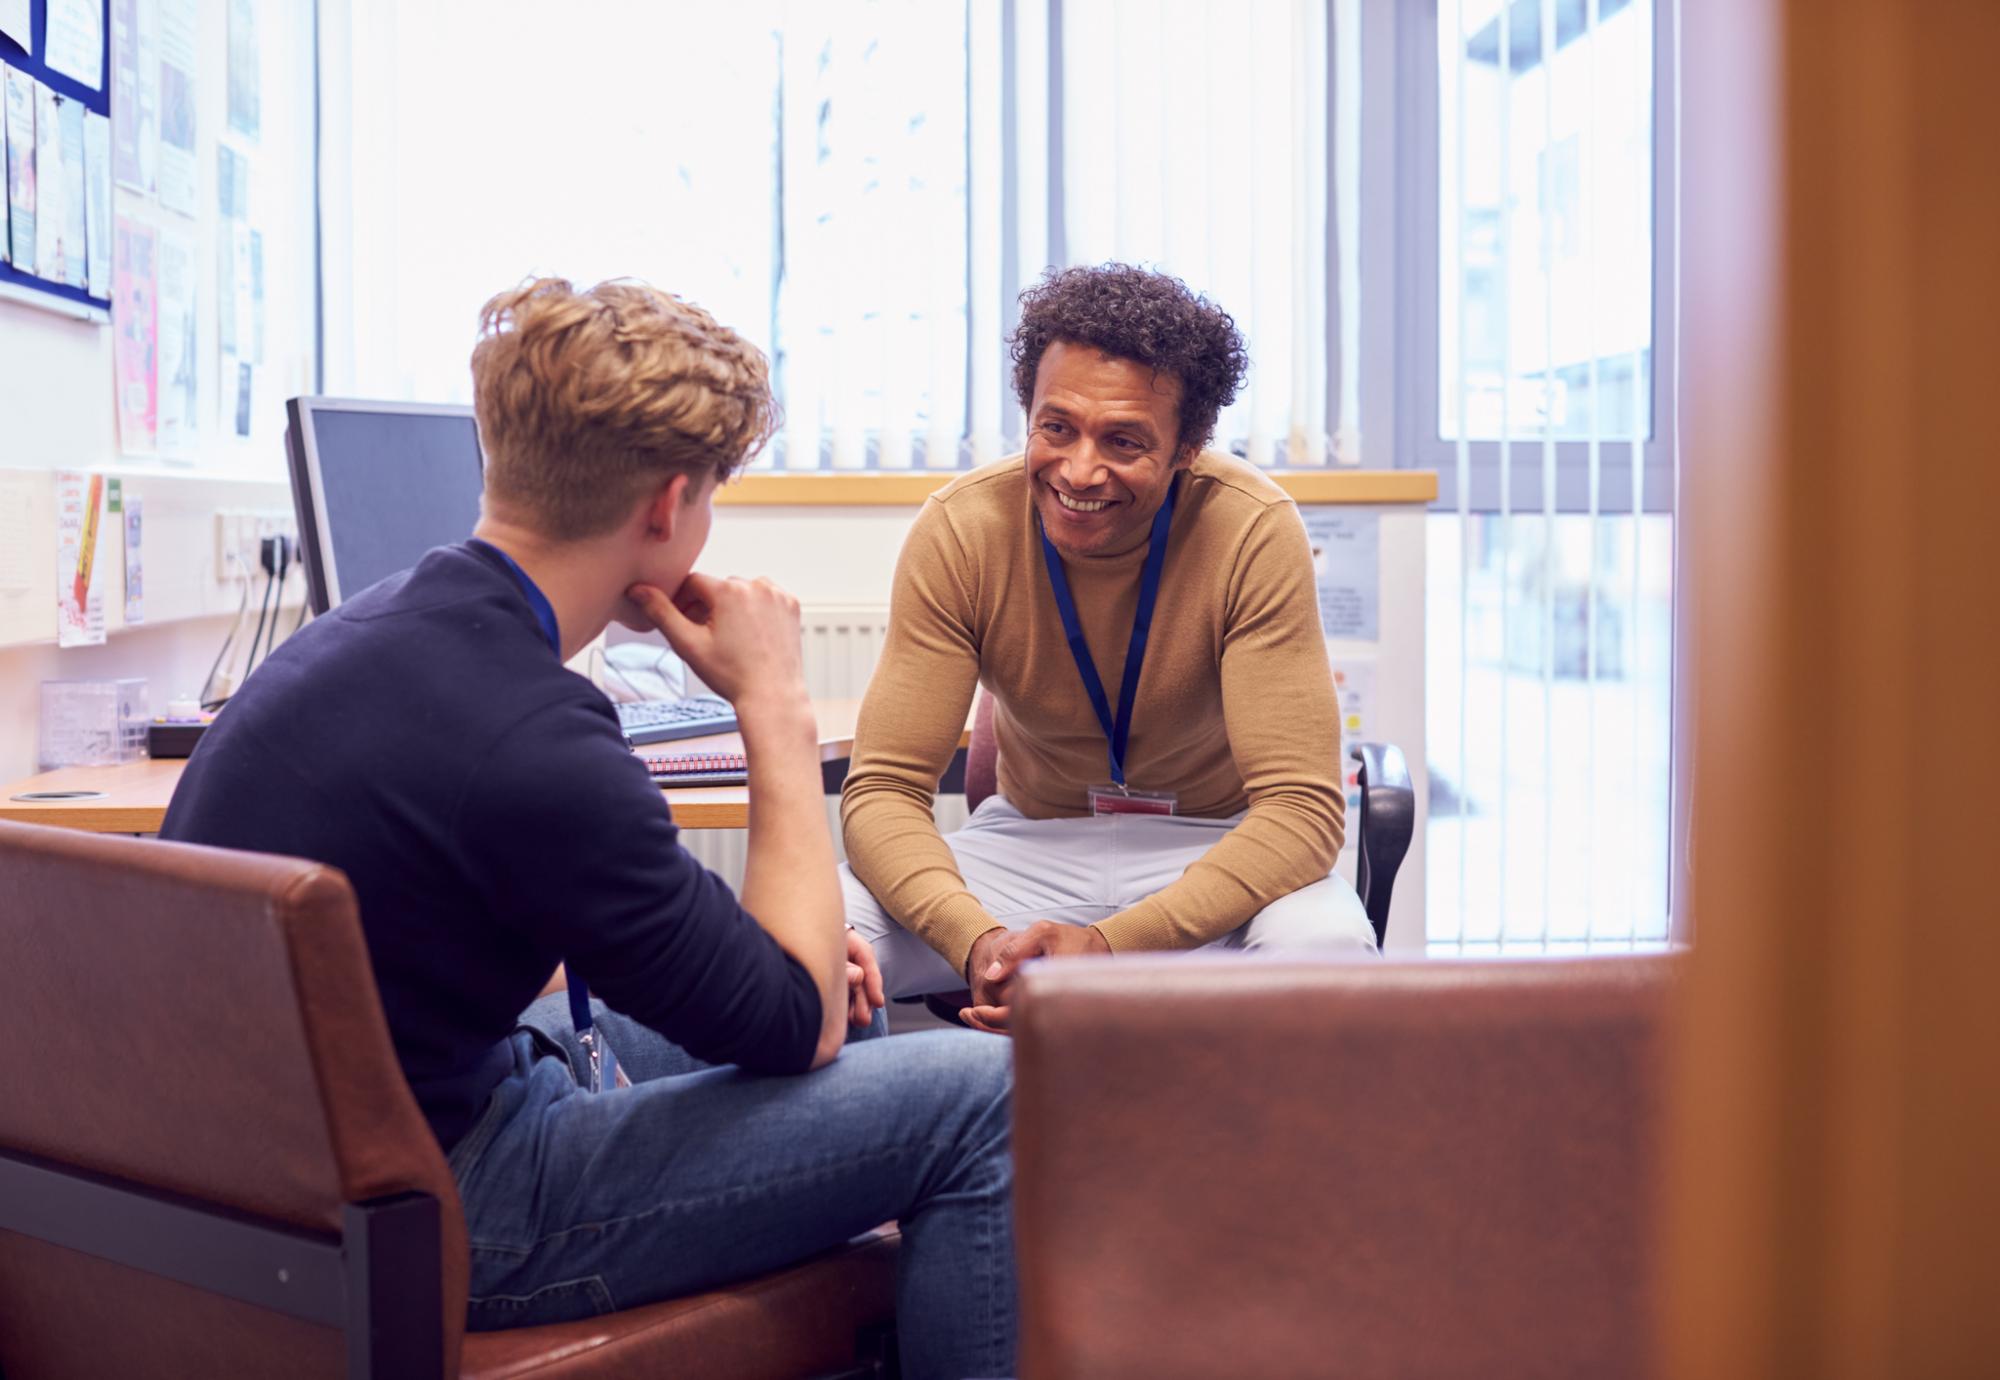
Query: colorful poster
[(245, 68), (177, 174), (79, 577), (76, 191), (135, 93), (177, 319), (97, 196), (73, 40), (135, 314), (21, 197), (135, 575)]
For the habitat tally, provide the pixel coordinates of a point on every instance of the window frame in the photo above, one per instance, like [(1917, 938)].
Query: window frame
[(1419, 364)]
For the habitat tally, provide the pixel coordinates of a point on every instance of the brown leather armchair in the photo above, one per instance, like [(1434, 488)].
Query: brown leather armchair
[(1244, 1167), (210, 1164)]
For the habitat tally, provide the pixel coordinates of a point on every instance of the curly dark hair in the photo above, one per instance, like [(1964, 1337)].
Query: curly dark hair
[(1136, 314)]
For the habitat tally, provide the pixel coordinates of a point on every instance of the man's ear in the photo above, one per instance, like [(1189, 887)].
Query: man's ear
[(663, 510)]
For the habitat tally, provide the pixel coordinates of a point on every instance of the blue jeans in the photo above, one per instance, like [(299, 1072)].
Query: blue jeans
[(579, 1204)]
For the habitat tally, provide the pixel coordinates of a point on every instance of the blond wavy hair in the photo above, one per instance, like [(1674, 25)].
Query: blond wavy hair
[(588, 400)]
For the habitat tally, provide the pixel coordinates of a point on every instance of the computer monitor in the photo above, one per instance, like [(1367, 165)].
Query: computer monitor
[(377, 484)]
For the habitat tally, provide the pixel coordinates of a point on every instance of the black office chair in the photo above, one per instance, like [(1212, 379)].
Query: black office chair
[(1382, 827)]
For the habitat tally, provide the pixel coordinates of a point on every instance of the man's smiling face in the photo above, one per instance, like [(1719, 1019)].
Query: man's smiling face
[(1102, 451)]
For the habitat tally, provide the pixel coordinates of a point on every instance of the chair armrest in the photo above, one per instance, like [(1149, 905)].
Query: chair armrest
[(1383, 832), (1235, 1166)]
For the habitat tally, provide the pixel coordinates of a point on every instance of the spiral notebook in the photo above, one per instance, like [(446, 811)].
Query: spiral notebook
[(697, 768)]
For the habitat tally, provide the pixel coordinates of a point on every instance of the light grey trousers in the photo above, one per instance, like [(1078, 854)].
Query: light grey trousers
[(1079, 871)]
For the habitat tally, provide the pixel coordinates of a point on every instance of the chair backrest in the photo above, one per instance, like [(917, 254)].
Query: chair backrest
[(205, 1023), (1370, 1169), (982, 755)]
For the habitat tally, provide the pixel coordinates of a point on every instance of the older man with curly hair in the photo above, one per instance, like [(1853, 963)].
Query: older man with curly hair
[(1142, 612)]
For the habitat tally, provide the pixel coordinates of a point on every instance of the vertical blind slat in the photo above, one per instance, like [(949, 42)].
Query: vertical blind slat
[(1464, 459), (1551, 550), (1594, 450), (1506, 452)]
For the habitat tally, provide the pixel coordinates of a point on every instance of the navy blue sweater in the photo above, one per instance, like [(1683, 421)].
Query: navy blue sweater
[(424, 739)]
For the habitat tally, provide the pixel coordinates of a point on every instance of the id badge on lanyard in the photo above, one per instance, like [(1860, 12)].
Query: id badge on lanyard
[(1117, 797), (602, 1071)]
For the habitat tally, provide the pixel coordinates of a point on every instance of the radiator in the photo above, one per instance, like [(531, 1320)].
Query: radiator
[(842, 644)]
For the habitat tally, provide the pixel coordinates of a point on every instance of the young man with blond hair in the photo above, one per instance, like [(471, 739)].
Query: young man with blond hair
[(426, 739)]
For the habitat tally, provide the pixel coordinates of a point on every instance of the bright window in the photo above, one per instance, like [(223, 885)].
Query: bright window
[(1536, 390)]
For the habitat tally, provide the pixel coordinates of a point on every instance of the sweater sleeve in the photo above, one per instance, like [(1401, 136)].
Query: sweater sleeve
[(579, 854), (910, 724), (1283, 722)]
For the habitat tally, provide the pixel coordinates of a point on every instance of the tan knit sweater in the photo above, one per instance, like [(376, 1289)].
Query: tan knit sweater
[(1236, 703)]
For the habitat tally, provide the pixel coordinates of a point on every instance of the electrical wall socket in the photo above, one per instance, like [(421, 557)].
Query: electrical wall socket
[(239, 535)]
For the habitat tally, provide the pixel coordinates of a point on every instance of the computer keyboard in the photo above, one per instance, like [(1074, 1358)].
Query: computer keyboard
[(660, 721)]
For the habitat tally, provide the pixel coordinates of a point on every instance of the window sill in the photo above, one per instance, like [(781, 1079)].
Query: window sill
[(908, 488)]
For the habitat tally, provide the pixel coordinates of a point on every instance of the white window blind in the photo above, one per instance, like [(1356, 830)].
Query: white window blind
[(1550, 618), (861, 187), (1220, 141)]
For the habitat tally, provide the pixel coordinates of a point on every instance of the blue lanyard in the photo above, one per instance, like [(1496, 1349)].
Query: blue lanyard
[(545, 614), (538, 602), (1117, 732)]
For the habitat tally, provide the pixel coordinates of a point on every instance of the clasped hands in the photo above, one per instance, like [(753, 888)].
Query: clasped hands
[(997, 956)]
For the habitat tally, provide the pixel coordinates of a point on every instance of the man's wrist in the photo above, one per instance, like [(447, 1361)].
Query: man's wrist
[(776, 713), (973, 953)]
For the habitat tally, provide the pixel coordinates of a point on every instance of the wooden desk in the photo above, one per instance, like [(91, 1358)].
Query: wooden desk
[(132, 799)]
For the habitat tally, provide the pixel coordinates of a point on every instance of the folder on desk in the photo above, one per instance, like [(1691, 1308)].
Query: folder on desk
[(697, 768)]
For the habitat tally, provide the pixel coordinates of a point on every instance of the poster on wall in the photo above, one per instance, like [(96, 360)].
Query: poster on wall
[(97, 197), (76, 192), (21, 167), (6, 201), (135, 315), (245, 74), (17, 21), (177, 322), (1347, 566), (73, 40), (50, 213), (135, 572), (135, 93), (79, 577), (177, 173)]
